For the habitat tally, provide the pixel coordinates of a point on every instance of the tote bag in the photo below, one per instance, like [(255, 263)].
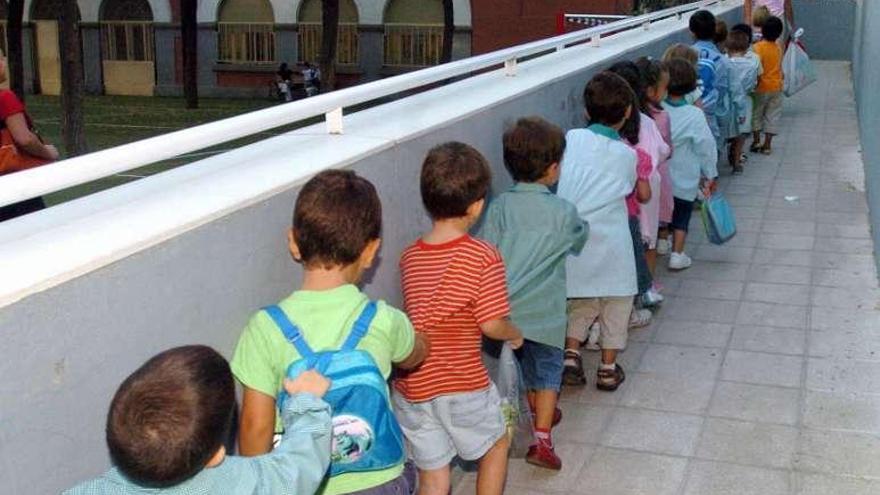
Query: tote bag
[(718, 219)]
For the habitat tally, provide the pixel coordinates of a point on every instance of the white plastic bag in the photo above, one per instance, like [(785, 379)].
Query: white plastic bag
[(797, 68), (505, 373)]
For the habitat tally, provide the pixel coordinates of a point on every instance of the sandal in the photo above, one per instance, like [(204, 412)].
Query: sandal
[(765, 151), (573, 375), (755, 148), (609, 380)]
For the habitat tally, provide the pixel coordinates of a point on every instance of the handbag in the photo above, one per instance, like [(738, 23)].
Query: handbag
[(718, 219), (12, 159)]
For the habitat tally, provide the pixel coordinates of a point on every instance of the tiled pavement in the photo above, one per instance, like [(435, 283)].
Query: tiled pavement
[(761, 373)]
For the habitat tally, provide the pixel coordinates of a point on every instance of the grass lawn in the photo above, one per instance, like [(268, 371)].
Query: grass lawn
[(114, 120)]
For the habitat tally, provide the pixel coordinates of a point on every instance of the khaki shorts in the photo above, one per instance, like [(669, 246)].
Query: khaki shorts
[(768, 111), (613, 314)]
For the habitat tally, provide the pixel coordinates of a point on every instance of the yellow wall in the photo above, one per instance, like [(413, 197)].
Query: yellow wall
[(48, 58), (129, 78), (414, 12), (310, 11), (246, 11)]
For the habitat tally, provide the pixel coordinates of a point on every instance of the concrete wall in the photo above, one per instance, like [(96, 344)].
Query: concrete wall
[(866, 76), (828, 25), (213, 259)]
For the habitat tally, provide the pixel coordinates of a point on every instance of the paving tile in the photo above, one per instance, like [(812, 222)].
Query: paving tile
[(720, 289), (762, 369), (523, 475), (845, 278), (845, 343), (710, 271), (833, 231), (839, 261), (839, 453), (692, 333), (684, 393), (786, 241), (846, 298), (789, 227), (779, 274), (756, 403), (620, 472), (725, 253), (679, 361), (697, 309), (769, 339), (717, 478), (784, 257), (744, 442), (842, 411), (582, 424), (651, 431), (774, 315), (846, 246), (835, 319), (835, 375), (820, 484), (778, 293)]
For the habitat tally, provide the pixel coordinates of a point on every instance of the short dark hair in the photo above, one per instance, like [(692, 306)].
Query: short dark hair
[(606, 98), (336, 215), (682, 77), (738, 42), (629, 71), (530, 147), (720, 32), (772, 28), (652, 72), (454, 176), (702, 24), (170, 416), (743, 28)]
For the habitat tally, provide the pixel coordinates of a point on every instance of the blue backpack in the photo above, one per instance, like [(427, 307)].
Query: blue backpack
[(707, 67), (366, 435)]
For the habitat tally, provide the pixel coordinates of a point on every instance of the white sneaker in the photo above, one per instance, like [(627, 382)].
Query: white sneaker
[(663, 247), (640, 318), (593, 337), (679, 261), (652, 298)]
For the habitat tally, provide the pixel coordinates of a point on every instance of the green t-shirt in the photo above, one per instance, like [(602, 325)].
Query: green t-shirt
[(325, 319)]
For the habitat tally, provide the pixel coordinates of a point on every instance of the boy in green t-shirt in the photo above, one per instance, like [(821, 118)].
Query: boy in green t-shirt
[(337, 220)]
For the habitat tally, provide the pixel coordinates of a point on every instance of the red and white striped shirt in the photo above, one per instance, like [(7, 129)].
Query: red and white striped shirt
[(449, 290)]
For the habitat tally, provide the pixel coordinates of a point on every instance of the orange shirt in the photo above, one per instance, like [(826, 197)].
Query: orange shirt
[(449, 290), (770, 81)]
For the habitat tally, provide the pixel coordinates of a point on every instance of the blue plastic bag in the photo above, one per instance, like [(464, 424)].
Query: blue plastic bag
[(718, 219)]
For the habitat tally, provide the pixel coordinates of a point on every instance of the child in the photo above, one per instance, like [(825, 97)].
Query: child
[(656, 80), (454, 290), (721, 34), (598, 173), (768, 94), (535, 231), (337, 220), (695, 155), (744, 70), (169, 421), (680, 50), (713, 71), (759, 17)]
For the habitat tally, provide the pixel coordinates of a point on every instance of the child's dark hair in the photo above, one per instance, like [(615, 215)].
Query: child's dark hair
[(454, 176), (720, 32), (772, 28), (702, 24), (606, 98), (630, 73), (743, 28), (682, 77), (530, 147), (336, 215), (171, 416), (738, 42), (652, 71)]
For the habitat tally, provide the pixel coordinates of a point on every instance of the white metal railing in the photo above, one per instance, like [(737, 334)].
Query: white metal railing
[(580, 21), (82, 169)]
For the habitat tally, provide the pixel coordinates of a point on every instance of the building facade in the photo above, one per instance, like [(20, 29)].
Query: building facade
[(133, 47)]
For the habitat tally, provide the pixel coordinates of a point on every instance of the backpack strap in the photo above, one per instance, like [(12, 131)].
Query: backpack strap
[(360, 328), (290, 330)]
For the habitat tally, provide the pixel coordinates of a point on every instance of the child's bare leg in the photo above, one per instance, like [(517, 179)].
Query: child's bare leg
[(678, 238), (572, 343), (651, 259), (434, 481), (768, 142), (545, 408), (609, 356), (492, 472)]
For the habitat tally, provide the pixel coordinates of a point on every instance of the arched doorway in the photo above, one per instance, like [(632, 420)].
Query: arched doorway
[(413, 33), (246, 32), (127, 47), (309, 32), (44, 14)]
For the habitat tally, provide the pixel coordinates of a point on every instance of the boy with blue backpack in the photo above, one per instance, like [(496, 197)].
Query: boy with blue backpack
[(713, 70), (329, 325)]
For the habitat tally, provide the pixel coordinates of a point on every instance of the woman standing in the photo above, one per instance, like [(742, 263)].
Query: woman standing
[(15, 120), (782, 9)]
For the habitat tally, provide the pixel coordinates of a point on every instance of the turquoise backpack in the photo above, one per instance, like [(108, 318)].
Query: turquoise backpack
[(366, 435)]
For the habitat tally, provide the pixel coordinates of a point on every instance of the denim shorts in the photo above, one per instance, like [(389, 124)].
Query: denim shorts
[(541, 366), (466, 424), (681, 214)]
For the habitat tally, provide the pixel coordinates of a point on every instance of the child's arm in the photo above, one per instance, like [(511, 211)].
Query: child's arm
[(503, 329), (705, 148), (256, 427), (298, 465), (643, 191), (421, 348), (578, 229)]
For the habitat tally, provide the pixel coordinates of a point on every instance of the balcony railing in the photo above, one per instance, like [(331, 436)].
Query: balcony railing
[(246, 42), (310, 35)]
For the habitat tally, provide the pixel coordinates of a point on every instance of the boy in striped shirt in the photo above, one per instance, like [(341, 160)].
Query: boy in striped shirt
[(454, 292)]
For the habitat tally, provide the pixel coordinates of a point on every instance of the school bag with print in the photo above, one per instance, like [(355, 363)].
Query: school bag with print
[(366, 435), (707, 67)]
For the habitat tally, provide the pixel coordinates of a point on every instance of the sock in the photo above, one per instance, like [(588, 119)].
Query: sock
[(571, 361), (607, 367), (543, 436)]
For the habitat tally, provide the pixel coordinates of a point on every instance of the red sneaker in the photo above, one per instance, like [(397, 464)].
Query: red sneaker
[(542, 455)]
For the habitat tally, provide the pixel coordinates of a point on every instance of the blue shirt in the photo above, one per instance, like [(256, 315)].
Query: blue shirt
[(296, 466), (695, 153), (713, 68), (535, 230)]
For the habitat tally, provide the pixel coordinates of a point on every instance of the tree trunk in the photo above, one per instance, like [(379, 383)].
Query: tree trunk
[(189, 34), (72, 121), (15, 65), (329, 36), (448, 31)]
